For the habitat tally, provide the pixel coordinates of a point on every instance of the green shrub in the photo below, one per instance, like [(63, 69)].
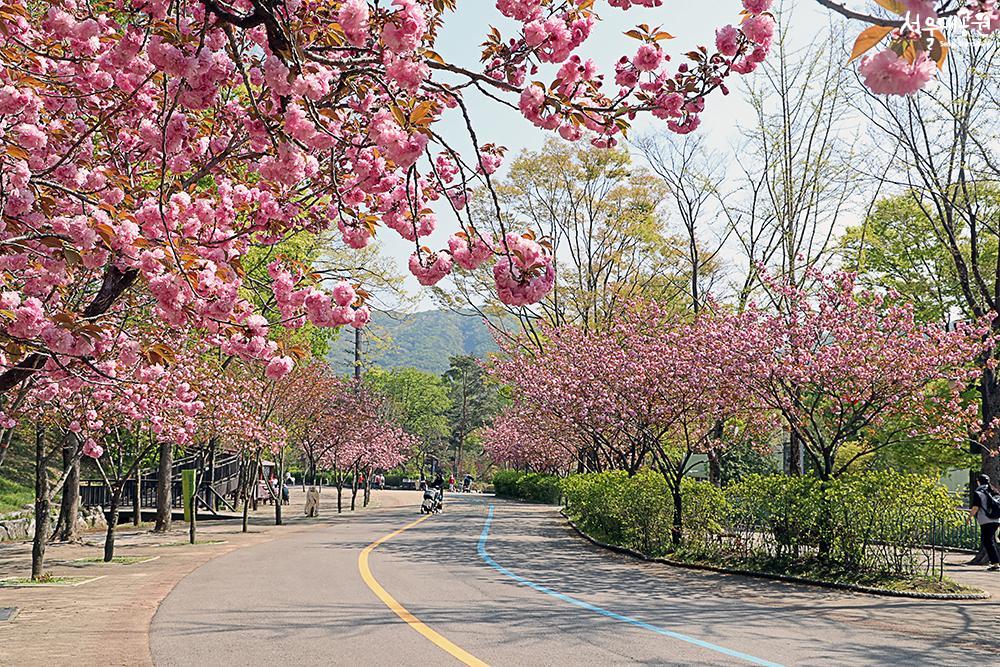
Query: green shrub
[(531, 486), (638, 512), (505, 483), (785, 508), (875, 522), (395, 479)]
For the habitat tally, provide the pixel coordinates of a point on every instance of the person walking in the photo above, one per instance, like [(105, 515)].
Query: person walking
[(985, 508), (438, 485)]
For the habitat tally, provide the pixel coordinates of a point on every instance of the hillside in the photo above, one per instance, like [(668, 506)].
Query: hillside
[(423, 340)]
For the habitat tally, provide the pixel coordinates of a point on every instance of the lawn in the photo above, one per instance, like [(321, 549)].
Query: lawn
[(17, 475), (120, 560)]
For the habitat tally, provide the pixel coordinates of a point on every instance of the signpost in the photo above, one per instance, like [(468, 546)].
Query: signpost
[(187, 492)]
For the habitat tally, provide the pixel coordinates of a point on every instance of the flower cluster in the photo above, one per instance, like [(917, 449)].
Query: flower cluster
[(834, 368), (918, 47)]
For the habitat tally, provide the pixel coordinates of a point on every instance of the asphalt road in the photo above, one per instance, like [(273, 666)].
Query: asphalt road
[(529, 592)]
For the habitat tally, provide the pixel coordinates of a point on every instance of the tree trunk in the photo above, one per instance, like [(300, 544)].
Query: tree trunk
[(243, 490), (989, 390), (109, 538), (255, 484), (246, 513), (137, 500), (8, 435), (794, 464), (41, 506), (340, 493), (368, 489), (163, 485), (69, 506), (281, 483), (714, 468), (354, 488), (677, 530)]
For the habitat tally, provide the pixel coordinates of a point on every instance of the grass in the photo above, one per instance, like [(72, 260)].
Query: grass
[(13, 496), (17, 475), (44, 580), (120, 560), (187, 543)]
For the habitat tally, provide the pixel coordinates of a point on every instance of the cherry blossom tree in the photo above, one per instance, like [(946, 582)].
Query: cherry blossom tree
[(856, 367), (127, 410), (652, 389), (338, 425), (520, 437), (155, 143)]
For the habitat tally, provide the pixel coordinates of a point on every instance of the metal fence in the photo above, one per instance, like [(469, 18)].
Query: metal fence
[(892, 545), (94, 492)]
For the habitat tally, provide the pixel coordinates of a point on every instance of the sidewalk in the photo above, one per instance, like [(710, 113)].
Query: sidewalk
[(106, 621), (972, 575)]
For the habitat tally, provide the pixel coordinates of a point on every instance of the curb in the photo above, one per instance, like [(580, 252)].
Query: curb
[(854, 588)]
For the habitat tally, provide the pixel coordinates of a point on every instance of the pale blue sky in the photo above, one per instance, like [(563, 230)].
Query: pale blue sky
[(691, 22)]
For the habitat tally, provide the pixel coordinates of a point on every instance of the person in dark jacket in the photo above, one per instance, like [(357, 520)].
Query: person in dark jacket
[(438, 484), (987, 525)]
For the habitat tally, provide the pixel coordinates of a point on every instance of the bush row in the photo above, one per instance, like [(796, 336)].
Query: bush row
[(875, 521), (530, 486), (638, 512)]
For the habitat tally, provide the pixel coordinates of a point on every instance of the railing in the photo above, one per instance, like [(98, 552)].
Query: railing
[(93, 492), (214, 484), (964, 536)]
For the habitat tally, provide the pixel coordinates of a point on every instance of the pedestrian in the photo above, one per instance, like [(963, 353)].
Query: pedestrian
[(985, 507), (262, 495), (467, 483), (451, 483), (438, 485)]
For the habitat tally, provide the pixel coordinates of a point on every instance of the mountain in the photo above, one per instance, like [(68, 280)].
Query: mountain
[(423, 340)]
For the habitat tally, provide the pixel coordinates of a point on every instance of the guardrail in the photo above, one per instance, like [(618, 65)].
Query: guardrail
[(218, 483)]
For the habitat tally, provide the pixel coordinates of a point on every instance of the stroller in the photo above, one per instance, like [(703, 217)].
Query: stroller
[(433, 500)]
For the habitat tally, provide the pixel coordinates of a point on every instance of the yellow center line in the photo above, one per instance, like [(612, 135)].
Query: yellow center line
[(440, 640)]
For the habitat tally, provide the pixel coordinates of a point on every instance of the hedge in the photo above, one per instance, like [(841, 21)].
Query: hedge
[(878, 521), (638, 512), (531, 486)]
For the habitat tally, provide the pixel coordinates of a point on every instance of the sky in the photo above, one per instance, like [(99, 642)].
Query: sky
[(692, 22)]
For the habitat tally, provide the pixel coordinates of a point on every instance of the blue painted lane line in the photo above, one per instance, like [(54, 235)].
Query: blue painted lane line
[(481, 548)]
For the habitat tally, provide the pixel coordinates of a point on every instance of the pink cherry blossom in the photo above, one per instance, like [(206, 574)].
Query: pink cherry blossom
[(430, 268), (727, 40), (647, 58), (470, 252), (886, 73), (279, 367), (353, 17), (343, 293)]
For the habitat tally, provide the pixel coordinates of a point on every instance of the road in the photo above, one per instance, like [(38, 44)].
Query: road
[(526, 591)]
